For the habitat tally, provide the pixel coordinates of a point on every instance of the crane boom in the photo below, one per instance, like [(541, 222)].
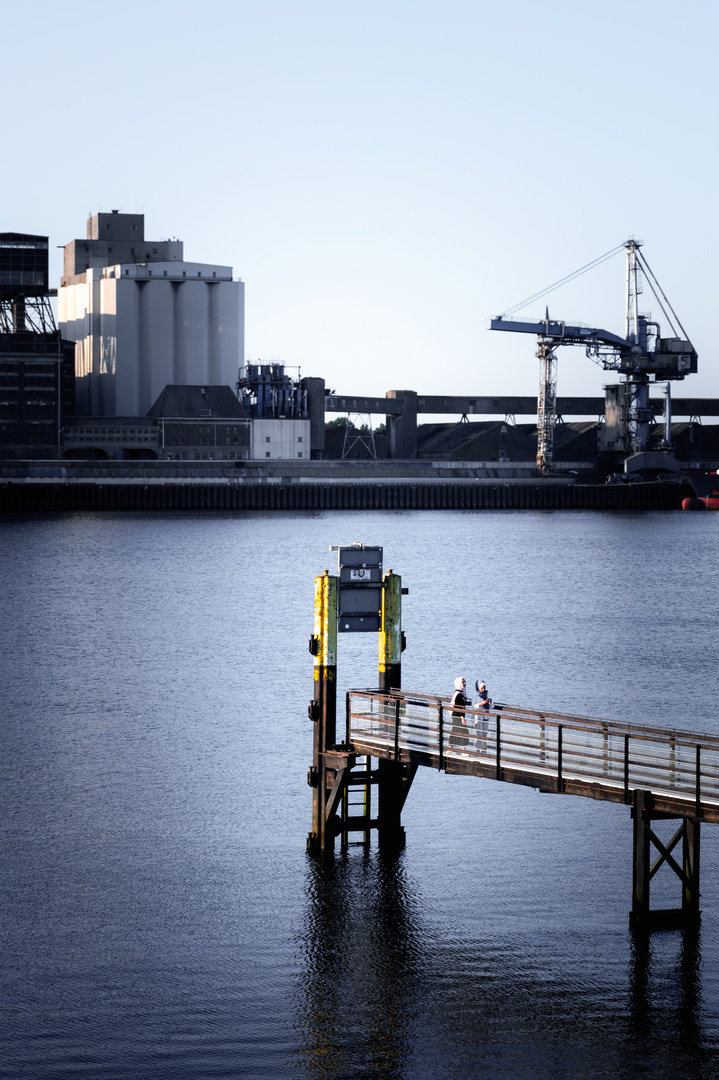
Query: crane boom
[(563, 333)]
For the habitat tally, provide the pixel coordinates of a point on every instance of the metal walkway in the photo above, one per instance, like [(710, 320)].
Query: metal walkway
[(575, 755)]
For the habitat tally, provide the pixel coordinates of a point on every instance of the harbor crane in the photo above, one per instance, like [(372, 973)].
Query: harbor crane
[(641, 356)]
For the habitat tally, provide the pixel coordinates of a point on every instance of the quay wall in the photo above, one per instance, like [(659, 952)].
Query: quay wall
[(282, 494)]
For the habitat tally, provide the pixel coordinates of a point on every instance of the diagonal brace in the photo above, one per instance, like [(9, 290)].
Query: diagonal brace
[(407, 783), (665, 854), (338, 786)]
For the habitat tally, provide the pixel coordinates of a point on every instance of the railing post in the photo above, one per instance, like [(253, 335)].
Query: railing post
[(672, 760), (559, 758), (542, 739), (699, 783), (626, 768), (441, 735), (396, 729), (347, 717), (499, 766)]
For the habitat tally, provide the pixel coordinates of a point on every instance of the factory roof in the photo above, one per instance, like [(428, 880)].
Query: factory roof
[(198, 402)]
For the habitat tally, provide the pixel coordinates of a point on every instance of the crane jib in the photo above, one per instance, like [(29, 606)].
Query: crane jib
[(552, 328)]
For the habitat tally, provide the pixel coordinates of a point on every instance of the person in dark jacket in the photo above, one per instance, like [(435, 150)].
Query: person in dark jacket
[(484, 702), (460, 702)]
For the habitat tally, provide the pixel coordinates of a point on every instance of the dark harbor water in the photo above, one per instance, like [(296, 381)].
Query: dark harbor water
[(160, 918)]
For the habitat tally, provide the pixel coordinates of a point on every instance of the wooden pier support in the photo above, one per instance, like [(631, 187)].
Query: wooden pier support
[(642, 916), (326, 772), (394, 778)]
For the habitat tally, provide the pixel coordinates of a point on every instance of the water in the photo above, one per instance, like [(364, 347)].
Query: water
[(160, 918)]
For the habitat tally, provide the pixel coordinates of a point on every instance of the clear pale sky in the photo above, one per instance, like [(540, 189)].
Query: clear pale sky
[(384, 176)]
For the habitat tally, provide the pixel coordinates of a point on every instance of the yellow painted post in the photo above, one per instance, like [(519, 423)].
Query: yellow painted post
[(324, 706), (390, 633), (391, 774)]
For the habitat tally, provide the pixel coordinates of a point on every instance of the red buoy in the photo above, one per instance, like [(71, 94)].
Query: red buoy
[(693, 504)]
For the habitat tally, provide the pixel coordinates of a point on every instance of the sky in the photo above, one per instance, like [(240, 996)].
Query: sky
[(385, 175)]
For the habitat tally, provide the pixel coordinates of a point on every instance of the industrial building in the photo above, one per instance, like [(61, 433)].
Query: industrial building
[(186, 423), (280, 409), (37, 386), (141, 318)]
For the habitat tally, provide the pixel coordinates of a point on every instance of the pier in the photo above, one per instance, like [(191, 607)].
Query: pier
[(361, 784)]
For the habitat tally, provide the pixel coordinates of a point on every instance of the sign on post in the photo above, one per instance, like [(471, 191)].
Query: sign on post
[(360, 589)]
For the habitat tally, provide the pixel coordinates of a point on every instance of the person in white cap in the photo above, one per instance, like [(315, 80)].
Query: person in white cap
[(460, 702)]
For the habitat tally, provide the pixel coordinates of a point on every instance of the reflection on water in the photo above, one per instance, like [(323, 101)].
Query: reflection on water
[(160, 918), (664, 1001), (360, 990), (381, 994)]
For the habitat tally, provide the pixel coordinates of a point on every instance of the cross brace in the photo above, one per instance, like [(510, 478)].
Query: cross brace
[(642, 916)]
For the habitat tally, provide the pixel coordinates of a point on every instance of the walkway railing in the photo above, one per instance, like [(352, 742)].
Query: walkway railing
[(581, 755)]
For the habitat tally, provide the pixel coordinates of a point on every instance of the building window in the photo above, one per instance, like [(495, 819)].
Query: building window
[(299, 453), (267, 454), (267, 438), (299, 438)]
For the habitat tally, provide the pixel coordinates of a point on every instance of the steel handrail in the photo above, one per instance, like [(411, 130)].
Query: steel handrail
[(539, 716), (552, 751)]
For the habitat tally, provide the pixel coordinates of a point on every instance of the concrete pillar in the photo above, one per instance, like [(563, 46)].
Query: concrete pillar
[(403, 429), (315, 390)]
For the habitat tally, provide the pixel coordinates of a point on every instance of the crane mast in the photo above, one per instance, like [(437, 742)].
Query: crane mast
[(640, 356), (546, 403)]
